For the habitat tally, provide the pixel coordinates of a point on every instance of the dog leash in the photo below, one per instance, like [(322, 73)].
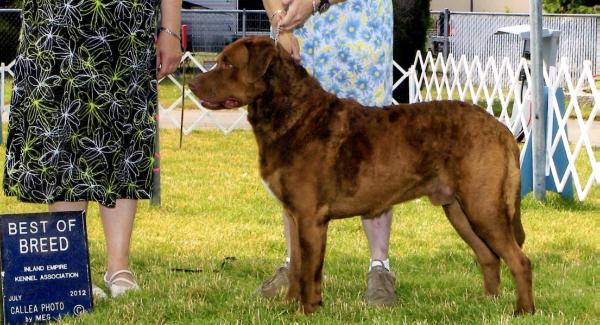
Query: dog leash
[(277, 30)]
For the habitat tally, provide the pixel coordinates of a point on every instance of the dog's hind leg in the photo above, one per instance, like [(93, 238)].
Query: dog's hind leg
[(505, 245), (493, 224), (489, 261)]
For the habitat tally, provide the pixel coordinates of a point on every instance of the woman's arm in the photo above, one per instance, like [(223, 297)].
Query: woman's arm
[(299, 10), (271, 7), (168, 45), (287, 39)]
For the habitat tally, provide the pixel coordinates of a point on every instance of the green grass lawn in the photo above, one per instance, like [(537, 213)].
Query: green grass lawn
[(218, 222)]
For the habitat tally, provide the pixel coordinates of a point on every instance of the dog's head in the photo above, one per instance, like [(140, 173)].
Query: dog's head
[(238, 78)]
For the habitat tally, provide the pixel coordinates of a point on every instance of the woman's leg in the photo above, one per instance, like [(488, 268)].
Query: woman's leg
[(378, 235), (279, 280), (118, 226), (76, 206), (381, 282), (68, 206)]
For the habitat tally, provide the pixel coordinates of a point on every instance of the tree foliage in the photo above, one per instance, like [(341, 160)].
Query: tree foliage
[(572, 6)]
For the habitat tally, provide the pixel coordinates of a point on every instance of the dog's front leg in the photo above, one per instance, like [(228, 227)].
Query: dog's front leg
[(308, 234), (295, 266)]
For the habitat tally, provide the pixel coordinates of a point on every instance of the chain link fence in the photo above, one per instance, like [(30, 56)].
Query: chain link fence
[(211, 30), (10, 25), (473, 34)]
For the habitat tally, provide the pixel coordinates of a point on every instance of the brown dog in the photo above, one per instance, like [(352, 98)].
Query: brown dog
[(327, 158)]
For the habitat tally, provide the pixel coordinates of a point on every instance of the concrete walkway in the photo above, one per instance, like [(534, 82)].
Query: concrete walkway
[(227, 118)]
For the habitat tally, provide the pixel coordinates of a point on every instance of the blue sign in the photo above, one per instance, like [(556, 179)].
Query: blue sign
[(560, 158), (45, 266)]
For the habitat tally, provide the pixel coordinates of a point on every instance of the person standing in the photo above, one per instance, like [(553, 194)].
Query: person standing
[(83, 110), (347, 46)]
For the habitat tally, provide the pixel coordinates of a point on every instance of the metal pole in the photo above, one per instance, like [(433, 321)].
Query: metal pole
[(539, 127), (446, 32), (471, 6), (244, 23)]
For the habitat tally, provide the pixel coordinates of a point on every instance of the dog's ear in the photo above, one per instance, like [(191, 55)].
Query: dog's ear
[(260, 55)]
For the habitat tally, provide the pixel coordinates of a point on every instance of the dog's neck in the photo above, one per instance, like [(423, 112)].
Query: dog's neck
[(291, 96)]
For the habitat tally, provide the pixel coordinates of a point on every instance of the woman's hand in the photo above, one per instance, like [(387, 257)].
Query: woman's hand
[(298, 12), (290, 43), (168, 54), (168, 47)]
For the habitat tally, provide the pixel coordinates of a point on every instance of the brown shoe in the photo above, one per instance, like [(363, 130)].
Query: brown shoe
[(381, 287), (275, 284)]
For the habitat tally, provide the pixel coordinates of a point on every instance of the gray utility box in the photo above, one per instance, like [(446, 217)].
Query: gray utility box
[(550, 39)]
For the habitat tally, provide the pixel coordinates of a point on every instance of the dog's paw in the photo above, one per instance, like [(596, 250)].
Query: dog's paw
[(293, 295), (524, 310), (309, 308)]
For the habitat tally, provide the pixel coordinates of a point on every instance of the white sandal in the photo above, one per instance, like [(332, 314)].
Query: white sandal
[(120, 285), (98, 293)]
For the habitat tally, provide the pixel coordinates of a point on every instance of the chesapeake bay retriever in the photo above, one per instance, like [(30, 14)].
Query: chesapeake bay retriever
[(326, 158)]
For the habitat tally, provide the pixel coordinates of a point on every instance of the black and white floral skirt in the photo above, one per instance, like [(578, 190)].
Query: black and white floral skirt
[(82, 115)]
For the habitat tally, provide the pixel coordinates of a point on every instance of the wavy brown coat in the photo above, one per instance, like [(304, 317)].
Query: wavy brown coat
[(326, 158)]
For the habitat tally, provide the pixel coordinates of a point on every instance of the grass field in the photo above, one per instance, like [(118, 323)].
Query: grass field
[(218, 223)]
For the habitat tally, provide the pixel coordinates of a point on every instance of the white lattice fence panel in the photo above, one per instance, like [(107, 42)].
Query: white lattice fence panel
[(404, 77), (584, 164), (172, 113), (496, 87), (5, 71)]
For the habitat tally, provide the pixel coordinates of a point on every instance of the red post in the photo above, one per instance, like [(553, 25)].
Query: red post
[(184, 37)]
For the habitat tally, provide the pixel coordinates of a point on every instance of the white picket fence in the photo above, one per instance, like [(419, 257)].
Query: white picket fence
[(478, 81), (172, 113)]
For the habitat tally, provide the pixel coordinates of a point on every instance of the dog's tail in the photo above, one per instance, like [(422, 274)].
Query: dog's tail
[(512, 190), (518, 230)]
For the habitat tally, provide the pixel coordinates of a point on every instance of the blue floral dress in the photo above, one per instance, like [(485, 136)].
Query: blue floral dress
[(349, 50)]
